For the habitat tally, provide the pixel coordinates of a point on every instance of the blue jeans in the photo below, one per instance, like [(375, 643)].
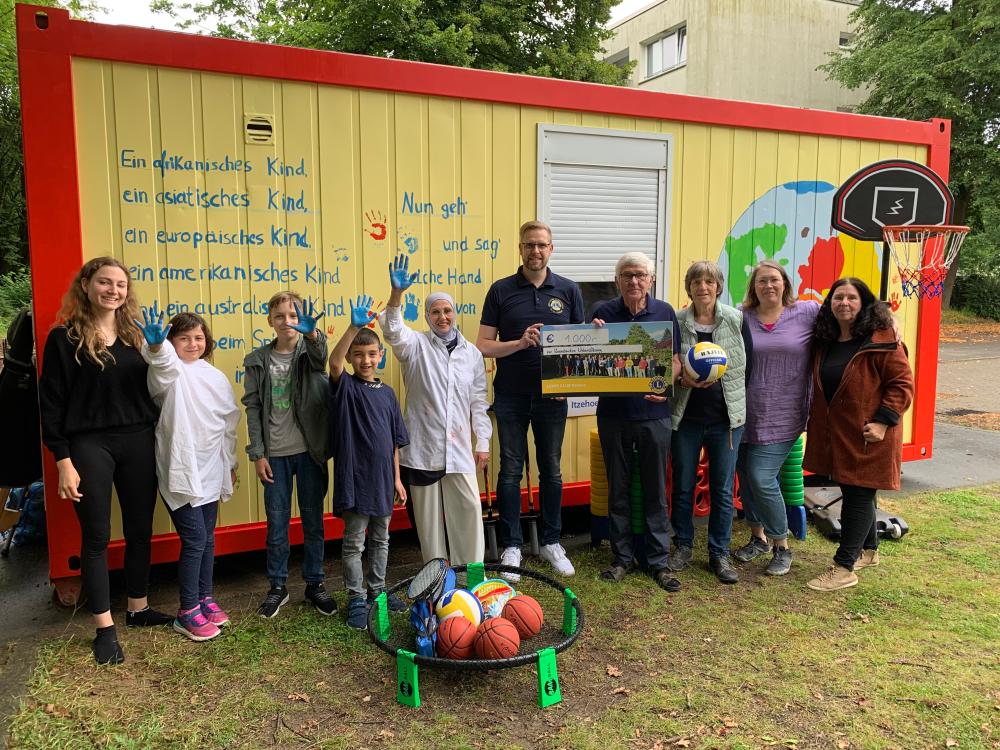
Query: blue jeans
[(311, 482), (722, 445), (196, 528), (763, 503), (547, 418), (651, 439)]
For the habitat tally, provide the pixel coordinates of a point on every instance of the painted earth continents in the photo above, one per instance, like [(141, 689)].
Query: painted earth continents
[(790, 223)]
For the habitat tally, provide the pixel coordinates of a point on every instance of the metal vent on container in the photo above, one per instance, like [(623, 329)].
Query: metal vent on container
[(258, 128)]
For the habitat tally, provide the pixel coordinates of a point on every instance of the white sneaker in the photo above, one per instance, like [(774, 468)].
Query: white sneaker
[(511, 556), (555, 555)]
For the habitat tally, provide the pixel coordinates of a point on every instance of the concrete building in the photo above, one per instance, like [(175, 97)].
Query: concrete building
[(753, 50)]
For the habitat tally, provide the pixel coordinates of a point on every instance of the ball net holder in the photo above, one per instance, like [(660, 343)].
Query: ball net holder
[(393, 634), (923, 254)]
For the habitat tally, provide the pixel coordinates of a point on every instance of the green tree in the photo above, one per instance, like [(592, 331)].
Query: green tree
[(555, 38), (13, 219), (920, 59)]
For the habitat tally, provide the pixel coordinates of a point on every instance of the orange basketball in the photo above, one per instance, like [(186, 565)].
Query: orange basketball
[(497, 638), (525, 614), (455, 638)]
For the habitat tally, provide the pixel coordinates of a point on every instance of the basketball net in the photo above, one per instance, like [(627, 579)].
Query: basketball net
[(923, 255)]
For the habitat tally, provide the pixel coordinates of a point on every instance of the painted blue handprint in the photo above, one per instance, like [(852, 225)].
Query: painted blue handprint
[(399, 273), (152, 326), (411, 311), (361, 312), (411, 242), (307, 318), (381, 362)]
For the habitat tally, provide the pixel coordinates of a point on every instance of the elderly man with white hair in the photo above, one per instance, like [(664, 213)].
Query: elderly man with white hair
[(445, 379), (640, 423)]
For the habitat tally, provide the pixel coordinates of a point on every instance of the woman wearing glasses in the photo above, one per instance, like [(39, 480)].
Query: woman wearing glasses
[(778, 391)]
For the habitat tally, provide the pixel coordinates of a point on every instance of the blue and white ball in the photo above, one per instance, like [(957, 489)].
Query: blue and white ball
[(705, 362)]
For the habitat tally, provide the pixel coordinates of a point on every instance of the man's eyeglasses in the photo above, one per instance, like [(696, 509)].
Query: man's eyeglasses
[(535, 245), (627, 277)]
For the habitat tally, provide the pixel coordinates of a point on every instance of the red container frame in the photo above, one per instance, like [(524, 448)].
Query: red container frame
[(48, 40)]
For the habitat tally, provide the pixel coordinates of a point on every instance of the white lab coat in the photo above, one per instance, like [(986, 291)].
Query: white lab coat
[(196, 434), (444, 393)]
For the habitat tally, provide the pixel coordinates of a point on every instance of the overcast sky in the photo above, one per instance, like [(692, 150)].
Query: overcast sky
[(137, 13)]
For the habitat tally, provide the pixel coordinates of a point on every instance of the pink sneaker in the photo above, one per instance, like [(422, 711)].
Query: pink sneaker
[(213, 612), (194, 625)]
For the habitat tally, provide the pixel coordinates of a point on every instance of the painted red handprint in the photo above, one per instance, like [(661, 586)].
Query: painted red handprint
[(377, 230), (895, 301)]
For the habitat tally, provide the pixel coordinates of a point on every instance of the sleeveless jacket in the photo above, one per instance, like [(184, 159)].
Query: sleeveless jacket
[(729, 336)]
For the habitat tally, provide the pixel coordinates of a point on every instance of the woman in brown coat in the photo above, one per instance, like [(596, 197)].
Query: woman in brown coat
[(862, 385)]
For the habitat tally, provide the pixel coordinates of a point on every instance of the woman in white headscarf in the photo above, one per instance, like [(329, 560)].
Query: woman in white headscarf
[(445, 380)]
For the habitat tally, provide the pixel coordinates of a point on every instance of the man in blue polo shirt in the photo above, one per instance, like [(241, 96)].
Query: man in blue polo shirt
[(515, 309), (641, 423)]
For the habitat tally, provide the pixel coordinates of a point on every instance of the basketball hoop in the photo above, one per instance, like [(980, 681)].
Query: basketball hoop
[(923, 255)]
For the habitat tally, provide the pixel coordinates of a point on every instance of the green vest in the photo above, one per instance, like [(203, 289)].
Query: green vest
[(729, 336)]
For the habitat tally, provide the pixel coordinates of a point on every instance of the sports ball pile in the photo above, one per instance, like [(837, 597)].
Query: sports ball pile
[(705, 362), (488, 622)]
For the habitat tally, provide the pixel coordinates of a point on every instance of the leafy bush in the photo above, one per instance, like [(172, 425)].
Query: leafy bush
[(15, 293), (978, 293)]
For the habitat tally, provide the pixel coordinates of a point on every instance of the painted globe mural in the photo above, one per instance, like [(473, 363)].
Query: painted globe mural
[(790, 223)]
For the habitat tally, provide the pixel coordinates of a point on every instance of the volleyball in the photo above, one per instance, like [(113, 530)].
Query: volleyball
[(459, 602), (705, 362)]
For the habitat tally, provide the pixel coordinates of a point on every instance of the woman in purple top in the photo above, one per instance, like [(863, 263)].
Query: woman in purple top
[(778, 395)]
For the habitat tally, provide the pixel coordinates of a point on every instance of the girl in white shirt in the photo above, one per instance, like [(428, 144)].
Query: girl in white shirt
[(445, 379), (195, 455)]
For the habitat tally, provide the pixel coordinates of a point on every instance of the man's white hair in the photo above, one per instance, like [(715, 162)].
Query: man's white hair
[(634, 259)]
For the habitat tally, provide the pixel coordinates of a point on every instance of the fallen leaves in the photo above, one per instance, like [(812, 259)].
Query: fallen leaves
[(613, 671), (299, 697)]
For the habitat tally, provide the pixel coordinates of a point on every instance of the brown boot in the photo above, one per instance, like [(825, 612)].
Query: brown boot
[(868, 559), (834, 579)]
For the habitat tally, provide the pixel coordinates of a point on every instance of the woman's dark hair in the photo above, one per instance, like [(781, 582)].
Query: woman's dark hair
[(186, 321), (873, 316)]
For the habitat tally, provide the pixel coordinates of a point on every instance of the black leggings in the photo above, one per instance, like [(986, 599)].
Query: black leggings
[(125, 459), (857, 524)]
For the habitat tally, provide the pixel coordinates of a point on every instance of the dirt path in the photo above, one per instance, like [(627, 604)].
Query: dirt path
[(968, 389)]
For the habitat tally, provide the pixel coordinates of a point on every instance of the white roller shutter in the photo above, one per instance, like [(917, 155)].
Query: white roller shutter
[(599, 213), (605, 193)]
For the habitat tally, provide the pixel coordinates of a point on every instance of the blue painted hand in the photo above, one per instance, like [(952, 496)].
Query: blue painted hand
[(307, 318), (410, 311), (152, 326), (399, 273), (361, 312)]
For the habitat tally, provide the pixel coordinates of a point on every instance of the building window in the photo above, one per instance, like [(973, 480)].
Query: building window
[(669, 51), (847, 40), (604, 192)]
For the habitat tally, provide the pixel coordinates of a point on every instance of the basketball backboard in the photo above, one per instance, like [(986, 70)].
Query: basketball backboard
[(894, 192)]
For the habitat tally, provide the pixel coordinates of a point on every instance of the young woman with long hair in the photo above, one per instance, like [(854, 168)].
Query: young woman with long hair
[(98, 421)]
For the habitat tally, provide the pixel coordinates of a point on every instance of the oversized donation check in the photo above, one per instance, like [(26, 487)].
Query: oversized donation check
[(617, 359)]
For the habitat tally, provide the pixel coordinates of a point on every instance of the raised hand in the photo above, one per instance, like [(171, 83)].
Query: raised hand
[(361, 312), (399, 273), (152, 326), (307, 318)]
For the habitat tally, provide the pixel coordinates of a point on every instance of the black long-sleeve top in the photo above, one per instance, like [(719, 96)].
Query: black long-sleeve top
[(81, 397)]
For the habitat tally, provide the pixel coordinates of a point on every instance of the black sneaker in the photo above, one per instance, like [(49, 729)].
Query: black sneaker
[(357, 614), (106, 647), (147, 618), (780, 563), (394, 603), (752, 550), (724, 569), (666, 580), (322, 601), (680, 557), (276, 597)]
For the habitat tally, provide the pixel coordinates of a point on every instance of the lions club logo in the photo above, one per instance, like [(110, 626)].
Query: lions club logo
[(556, 305), (657, 385)]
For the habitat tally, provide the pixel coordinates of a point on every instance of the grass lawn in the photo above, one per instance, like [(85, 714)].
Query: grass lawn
[(910, 658)]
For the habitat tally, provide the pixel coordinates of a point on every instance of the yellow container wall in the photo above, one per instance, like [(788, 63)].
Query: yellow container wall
[(354, 177)]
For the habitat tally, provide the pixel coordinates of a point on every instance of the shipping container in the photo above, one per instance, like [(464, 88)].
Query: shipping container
[(221, 171)]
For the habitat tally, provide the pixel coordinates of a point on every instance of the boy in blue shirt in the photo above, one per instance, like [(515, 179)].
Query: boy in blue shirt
[(366, 433)]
